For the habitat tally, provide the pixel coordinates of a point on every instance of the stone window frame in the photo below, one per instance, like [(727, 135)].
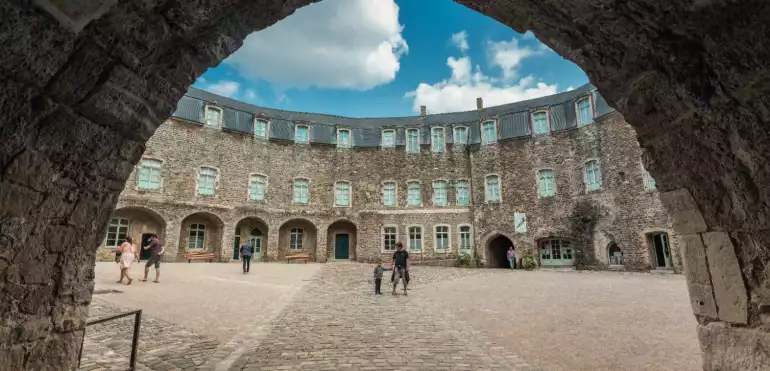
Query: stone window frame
[(537, 182), (449, 238), (382, 137), (409, 235), (590, 98), (547, 112), (609, 257), (448, 186), (382, 238), (350, 138), (213, 105), (460, 239), (216, 181), (419, 182), (248, 186), (499, 188), (496, 123), (296, 128), (433, 145), (334, 193), (309, 186), (382, 192), (118, 241), (406, 139), (646, 178), (467, 135), (205, 236), (138, 167), (267, 127), (457, 193), (585, 175)]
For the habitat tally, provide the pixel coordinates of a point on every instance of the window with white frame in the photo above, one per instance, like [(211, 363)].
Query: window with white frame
[(149, 174), (545, 183), (295, 238), (116, 232), (463, 188), (415, 238), (388, 138), (389, 238), (412, 140), (440, 193), (441, 236), (593, 175), (342, 194), (343, 138), (489, 132), (301, 191), (301, 134), (196, 238), (413, 194), (585, 111), (389, 193), (257, 187), (466, 239), (492, 188), (437, 139), (649, 182), (260, 128), (213, 116), (460, 135), (540, 122), (207, 181)]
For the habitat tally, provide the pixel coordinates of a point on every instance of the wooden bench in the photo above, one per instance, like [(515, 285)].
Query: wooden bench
[(199, 256), (298, 257)]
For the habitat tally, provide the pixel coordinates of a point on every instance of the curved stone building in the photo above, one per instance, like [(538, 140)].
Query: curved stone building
[(560, 176)]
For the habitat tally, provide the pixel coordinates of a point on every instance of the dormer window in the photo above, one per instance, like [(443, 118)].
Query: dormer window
[(260, 128), (585, 111), (489, 132), (460, 135), (540, 123), (301, 134), (437, 139), (412, 140), (343, 138), (213, 116), (388, 138)]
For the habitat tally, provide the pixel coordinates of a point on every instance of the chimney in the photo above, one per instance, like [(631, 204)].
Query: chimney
[(479, 104), (423, 111)]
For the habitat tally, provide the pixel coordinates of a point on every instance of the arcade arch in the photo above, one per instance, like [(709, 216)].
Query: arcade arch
[(201, 232), (341, 238), (497, 251), (138, 222), (297, 236), (254, 230)]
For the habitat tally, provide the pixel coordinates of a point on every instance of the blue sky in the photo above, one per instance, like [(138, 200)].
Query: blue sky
[(380, 58)]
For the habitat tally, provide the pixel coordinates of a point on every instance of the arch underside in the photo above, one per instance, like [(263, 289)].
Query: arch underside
[(85, 88)]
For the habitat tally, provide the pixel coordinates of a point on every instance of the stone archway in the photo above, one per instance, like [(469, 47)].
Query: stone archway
[(297, 236), (342, 240), (254, 230), (135, 221), (201, 232), (85, 87), (497, 251)]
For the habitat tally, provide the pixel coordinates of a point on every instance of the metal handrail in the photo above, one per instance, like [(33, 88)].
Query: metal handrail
[(135, 342)]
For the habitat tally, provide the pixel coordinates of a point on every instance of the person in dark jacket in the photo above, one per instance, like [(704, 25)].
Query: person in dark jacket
[(246, 252), (400, 266)]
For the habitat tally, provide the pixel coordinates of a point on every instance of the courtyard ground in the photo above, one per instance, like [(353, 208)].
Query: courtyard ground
[(324, 317)]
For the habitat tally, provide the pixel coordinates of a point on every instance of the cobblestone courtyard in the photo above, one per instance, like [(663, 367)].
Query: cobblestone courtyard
[(324, 317)]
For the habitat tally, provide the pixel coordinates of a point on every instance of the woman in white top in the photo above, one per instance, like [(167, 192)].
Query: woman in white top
[(127, 257)]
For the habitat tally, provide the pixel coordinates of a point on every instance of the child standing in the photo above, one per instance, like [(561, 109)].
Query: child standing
[(378, 270)]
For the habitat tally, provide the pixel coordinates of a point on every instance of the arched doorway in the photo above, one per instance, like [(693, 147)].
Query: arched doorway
[(254, 230), (556, 252), (341, 240), (137, 222), (614, 254), (297, 236), (497, 252), (201, 232)]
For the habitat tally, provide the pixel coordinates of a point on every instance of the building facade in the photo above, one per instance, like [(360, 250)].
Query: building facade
[(558, 176)]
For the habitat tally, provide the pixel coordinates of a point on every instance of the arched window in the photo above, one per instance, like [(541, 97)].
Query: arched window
[(614, 254), (593, 175), (295, 238), (255, 238), (116, 232), (197, 236), (492, 188), (440, 193), (413, 194)]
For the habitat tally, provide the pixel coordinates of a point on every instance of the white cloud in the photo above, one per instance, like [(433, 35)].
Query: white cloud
[(460, 40), (250, 95), (460, 90), (570, 88), (224, 88), (350, 44)]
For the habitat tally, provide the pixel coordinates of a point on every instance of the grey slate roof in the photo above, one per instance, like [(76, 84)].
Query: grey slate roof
[(513, 118)]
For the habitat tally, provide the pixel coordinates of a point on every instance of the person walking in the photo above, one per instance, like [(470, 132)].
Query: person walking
[(156, 248), (246, 252), (128, 256), (512, 257), (400, 266)]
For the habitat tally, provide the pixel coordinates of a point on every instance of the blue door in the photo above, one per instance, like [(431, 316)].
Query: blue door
[(342, 246)]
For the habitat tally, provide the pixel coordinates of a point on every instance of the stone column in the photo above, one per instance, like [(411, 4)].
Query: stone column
[(228, 236), (272, 243), (321, 248), (171, 240), (733, 311)]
